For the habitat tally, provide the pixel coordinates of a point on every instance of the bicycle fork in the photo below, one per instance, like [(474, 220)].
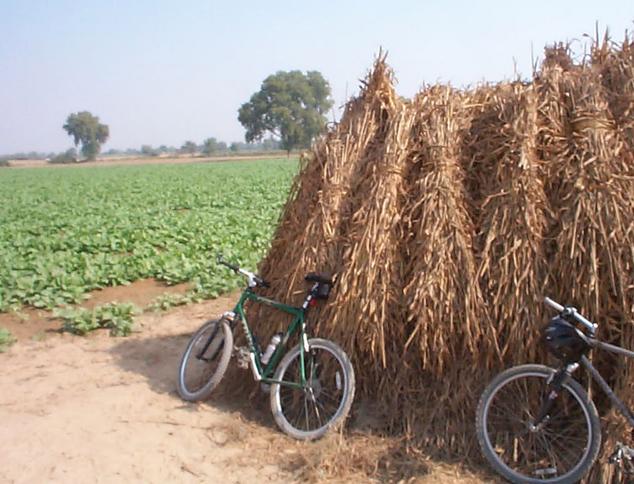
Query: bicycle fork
[(555, 384), (245, 356)]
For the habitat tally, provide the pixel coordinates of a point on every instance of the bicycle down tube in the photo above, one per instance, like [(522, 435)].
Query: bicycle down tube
[(596, 376), (263, 374)]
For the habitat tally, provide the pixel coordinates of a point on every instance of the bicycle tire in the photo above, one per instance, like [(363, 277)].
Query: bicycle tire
[(218, 354), (534, 378), (339, 371)]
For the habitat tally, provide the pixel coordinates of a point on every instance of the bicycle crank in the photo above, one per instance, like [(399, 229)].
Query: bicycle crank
[(623, 456), (243, 356)]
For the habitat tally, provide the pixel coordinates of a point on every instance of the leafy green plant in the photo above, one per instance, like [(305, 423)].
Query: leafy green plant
[(166, 301), (6, 339), (68, 232), (119, 318)]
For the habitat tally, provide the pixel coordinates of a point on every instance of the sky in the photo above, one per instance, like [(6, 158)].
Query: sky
[(163, 72)]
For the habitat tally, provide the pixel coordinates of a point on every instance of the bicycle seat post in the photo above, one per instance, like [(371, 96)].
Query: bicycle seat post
[(310, 296)]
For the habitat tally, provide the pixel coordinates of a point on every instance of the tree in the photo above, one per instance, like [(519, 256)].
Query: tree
[(147, 150), (189, 147), (69, 156), (210, 146), (234, 147), (87, 130), (289, 105)]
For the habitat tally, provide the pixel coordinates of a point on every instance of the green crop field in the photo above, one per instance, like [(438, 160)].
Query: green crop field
[(67, 231)]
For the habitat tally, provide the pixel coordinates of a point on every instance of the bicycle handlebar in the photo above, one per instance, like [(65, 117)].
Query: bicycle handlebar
[(572, 311), (254, 280), (555, 305), (223, 262)]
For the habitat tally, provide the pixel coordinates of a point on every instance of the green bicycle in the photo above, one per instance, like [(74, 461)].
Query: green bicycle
[(311, 385)]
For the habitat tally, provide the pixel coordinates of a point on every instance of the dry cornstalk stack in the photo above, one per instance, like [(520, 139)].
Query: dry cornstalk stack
[(309, 236), (510, 215), (595, 210), (442, 300), (368, 293), (594, 263), (446, 219), (445, 344), (616, 66)]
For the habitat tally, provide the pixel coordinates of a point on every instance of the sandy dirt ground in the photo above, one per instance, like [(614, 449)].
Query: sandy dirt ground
[(121, 161), (105, 409)]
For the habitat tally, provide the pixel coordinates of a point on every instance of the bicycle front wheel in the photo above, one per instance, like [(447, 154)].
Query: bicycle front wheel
[(205, 360), (561, 449), (323, 403)]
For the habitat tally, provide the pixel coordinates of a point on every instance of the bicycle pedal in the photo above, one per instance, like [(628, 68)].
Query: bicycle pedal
[(242, 356)]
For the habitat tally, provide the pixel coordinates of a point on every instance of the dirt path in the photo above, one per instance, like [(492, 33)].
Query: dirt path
[(102, 409)]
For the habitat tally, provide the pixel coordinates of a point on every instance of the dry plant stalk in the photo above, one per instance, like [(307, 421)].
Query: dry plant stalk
[(510, 216), (616, 66), (442, 300), (596, 240), (308, 237)]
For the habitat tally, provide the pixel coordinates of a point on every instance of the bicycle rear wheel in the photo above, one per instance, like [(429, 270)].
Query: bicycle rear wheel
[(324, 403), (205, 360), (559, 450)]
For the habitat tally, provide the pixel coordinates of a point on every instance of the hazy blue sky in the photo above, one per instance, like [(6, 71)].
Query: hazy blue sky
[(162, 72)]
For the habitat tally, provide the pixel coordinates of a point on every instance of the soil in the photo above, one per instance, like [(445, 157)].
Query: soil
[(30, 323), (118, 161), (105, 409), (38, 324), (140, 293)]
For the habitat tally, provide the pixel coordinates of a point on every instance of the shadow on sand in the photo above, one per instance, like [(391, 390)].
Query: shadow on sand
[(157, 359), (363, 453)]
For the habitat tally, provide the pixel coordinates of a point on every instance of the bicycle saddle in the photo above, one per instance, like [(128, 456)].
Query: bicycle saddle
[(321, 277)]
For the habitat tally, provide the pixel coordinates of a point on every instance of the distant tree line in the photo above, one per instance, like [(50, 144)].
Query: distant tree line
[(30, 155), (209, 147), (290, 108)]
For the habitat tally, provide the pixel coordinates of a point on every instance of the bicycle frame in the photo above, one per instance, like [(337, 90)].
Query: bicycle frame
[(594, 343), (264, 373), (596, 376)]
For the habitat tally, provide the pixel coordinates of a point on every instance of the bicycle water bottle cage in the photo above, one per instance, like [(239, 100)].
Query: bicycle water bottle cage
[(324, 282)]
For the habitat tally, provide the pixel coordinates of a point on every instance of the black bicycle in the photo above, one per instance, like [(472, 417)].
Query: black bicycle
[(537, 424)]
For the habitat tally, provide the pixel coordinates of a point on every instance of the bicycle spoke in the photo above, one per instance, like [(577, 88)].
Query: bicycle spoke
[(554, 448), (316, 405), (306, 412), (317, 412), (199, 369)]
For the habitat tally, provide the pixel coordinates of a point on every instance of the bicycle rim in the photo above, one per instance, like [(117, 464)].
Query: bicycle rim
[(203, 358), (556, 449), (315, 406)]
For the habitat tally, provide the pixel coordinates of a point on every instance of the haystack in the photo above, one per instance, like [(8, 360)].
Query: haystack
[(510, 210), (447, 219)]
